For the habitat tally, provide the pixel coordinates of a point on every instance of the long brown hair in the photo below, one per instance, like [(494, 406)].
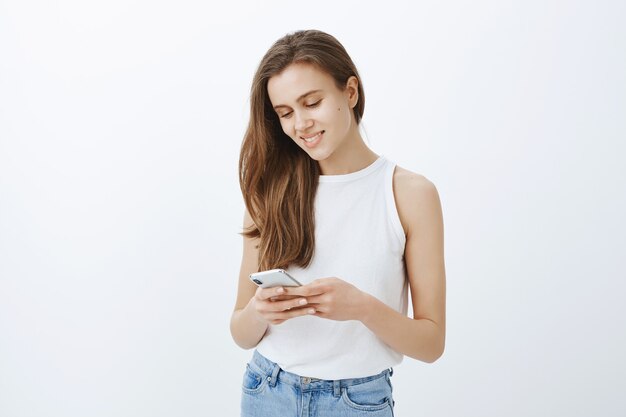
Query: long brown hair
[(279, 180)]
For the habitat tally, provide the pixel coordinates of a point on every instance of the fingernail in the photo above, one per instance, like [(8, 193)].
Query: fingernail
[(302, 302), (280, 290), (311, 311)]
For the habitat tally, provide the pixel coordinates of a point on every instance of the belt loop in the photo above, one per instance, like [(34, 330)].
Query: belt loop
[(337, 388), (274, 377), (390, 371)]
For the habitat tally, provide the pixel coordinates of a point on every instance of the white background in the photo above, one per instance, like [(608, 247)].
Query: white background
[(120, 127)]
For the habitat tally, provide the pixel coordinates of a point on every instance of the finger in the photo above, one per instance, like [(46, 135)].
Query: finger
[(283, 297), (320, 314), (317, 299), (267, 306), (289, 304), (305, 290), (289, 314), (265, 293)]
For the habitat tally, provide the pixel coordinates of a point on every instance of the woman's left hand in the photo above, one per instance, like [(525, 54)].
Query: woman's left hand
[(333, 298)]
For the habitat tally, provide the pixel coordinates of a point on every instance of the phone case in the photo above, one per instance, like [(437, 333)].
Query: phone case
[(274, 278)]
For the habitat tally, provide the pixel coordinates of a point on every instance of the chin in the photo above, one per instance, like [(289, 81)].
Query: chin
[(317, 155)]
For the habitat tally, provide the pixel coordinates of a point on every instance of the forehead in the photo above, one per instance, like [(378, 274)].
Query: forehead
[(295, 80)]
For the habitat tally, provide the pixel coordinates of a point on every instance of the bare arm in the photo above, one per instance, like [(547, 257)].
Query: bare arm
[(423, 336), (255, 307), (245, 327)]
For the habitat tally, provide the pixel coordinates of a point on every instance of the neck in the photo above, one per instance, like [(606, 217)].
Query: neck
[(352, 156)]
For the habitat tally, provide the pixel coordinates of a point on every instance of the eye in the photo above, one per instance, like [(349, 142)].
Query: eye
[(285, 115), (317, 103)]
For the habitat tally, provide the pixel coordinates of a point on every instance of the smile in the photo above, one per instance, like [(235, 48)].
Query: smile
[(313, 138)]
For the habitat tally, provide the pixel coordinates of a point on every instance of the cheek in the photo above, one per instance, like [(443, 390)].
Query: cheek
[(340, 115), (333, 113), (339, 112), (347, 113), (286, 126)]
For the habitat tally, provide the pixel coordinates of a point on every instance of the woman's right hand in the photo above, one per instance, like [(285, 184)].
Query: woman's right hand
[(272, 306)]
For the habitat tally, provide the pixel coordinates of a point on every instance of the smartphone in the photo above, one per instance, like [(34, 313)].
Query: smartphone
[(274, 278)]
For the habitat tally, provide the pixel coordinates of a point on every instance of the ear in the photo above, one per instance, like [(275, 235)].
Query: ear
[(352, 91)]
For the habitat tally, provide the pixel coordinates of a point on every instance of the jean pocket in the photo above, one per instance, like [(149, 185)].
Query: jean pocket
[(369, 396), (253, 382)]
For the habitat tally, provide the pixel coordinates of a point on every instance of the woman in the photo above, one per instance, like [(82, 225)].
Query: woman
[(353, 228)]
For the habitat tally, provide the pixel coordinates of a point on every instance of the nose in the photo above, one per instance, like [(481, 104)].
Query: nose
[(303, 122)]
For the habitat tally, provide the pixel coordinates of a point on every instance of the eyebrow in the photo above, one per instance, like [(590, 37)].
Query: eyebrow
[(299, 98)]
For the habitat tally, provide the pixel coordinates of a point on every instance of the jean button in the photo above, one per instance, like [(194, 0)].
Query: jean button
[(306, 380)]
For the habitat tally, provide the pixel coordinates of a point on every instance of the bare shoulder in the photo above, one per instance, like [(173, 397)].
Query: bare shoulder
[(417, 198)]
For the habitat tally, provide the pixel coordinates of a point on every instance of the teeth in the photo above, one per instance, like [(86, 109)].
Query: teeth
[(309, 140)]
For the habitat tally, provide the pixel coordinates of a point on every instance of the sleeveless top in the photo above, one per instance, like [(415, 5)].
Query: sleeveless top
[(358, 238)]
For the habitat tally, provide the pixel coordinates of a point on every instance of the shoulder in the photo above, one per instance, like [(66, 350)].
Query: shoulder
[(416, 197)]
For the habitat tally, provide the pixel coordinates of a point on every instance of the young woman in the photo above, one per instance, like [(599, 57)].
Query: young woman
[(356, 230)]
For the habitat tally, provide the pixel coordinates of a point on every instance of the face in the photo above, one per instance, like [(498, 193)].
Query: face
[(312, 111)]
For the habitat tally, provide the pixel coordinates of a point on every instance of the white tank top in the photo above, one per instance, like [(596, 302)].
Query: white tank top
[(358, 238)]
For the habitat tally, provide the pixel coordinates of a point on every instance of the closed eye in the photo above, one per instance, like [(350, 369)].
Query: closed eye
[(310, 106)]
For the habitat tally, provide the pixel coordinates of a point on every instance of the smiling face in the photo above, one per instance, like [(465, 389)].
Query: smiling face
[(312, 111)]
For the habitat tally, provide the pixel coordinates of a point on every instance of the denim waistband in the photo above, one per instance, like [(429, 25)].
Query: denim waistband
[(274, 373)]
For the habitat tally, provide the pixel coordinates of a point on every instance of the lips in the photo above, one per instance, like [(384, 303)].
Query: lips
[(311, 141), (312, 138)]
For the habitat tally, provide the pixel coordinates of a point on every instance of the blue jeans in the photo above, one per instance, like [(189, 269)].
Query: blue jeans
[(269, 391)]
